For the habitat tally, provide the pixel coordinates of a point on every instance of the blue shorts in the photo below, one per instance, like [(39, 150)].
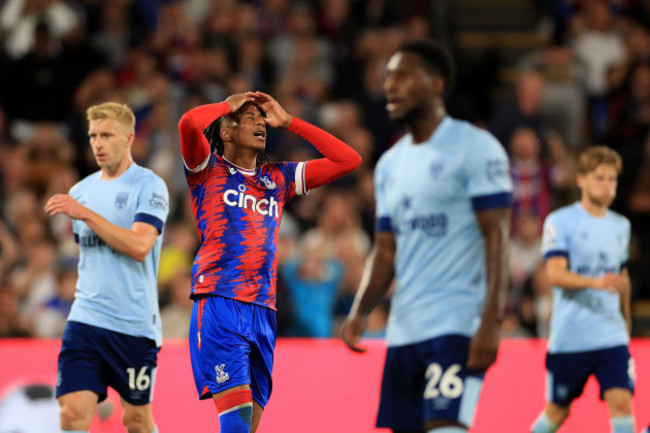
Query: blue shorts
[(428, 381), (231, 344), (94, 358), (568, 372)]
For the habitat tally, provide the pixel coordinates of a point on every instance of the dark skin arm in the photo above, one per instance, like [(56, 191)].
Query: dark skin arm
[(495, 226), (377, 277)]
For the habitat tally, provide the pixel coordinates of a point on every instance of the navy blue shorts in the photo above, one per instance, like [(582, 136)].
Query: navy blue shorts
[(231, 344), (568, 372), (95, 358), (428, 381)]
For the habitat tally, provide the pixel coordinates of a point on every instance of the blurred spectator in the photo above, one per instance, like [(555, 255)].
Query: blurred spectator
[(312, 280), (20, 18), (13, 323), (599, 46), (629, 109), (525, 112), (563, 103), (51, 315), (525, 253), (177, 314), (531, 183), (176, 255)]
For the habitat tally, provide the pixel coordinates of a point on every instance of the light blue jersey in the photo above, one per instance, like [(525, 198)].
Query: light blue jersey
[(427, 195), (115, 291), (587, 319)]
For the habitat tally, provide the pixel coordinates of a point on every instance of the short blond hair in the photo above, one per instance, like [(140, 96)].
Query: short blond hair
[(122, 113), (591, 158)]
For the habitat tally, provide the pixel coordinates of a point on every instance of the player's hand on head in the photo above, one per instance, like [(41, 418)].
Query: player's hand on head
[(63, 203), (276, 116), (352, 331), (614, 283), (484, 347), (237, 100)]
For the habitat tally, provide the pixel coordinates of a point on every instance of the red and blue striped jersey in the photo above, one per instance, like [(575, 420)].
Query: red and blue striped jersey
[(238, 220)]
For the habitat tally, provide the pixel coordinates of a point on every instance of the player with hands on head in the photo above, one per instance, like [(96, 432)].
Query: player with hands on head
[(442, 194), (113, 333), (585, 247), (238, 197)]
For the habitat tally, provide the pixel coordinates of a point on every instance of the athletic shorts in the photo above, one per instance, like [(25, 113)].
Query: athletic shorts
[(428, 381), (94, 358), (231, 344), (567, 373)]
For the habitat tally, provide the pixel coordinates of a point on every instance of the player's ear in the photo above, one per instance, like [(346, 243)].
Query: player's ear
[(438, 85), (225, 134)]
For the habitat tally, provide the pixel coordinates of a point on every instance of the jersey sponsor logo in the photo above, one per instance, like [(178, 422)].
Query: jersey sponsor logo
[(91, 241), (242, 200), (121, 199), (158, 201), (432, 225), (436, 168), (222, 376), (496, 169)]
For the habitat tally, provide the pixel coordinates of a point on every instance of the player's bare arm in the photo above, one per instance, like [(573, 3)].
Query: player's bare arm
[(495, 226), (135, 242), (194, 146), (377, 278), (557, 269)]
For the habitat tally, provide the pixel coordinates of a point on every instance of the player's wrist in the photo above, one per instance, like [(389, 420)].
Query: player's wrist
[(287, 122)]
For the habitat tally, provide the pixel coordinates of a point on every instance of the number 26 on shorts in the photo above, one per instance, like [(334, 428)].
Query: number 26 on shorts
[(443, 383)]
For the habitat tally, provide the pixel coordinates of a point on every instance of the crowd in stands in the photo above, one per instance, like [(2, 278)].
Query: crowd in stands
[(323, 60)]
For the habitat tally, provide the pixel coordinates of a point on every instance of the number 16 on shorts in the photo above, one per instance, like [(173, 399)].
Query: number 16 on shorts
[(140, 381)]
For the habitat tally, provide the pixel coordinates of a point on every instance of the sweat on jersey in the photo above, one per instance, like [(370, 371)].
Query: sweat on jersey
[(427, 195), (587, 319), (114, 291)]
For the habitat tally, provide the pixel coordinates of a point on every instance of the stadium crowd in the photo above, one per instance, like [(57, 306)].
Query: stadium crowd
[(589, 83)]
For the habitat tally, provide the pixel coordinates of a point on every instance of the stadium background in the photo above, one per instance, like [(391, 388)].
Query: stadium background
[(548, 77)]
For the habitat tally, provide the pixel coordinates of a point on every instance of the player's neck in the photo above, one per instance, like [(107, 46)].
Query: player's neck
[(112, 173), (422, 127), (242, 158), (593, 209)]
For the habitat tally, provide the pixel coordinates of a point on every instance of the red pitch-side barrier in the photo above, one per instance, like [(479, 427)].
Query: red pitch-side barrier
[(321, 387)]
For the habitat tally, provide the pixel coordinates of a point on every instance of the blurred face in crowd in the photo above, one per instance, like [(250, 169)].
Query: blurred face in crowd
[(524, 146), (110, 141), (599, 185), (409, 87)]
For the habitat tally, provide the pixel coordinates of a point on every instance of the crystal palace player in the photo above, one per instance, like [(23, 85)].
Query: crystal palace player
[(238, 198), (443, 195)]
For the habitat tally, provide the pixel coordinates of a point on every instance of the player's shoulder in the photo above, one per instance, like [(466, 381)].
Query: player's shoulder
[(476, 140), (389, 155), (618, 219), (566, 216), (85, 183), (144, 175)]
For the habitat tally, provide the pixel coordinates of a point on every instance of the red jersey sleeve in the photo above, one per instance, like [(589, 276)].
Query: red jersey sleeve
[(194, 146), (339, 160)]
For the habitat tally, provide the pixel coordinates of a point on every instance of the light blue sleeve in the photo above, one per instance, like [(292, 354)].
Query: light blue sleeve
[(382, 216), (555, 237), (153, 203), (626, 244), (487, 172)]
